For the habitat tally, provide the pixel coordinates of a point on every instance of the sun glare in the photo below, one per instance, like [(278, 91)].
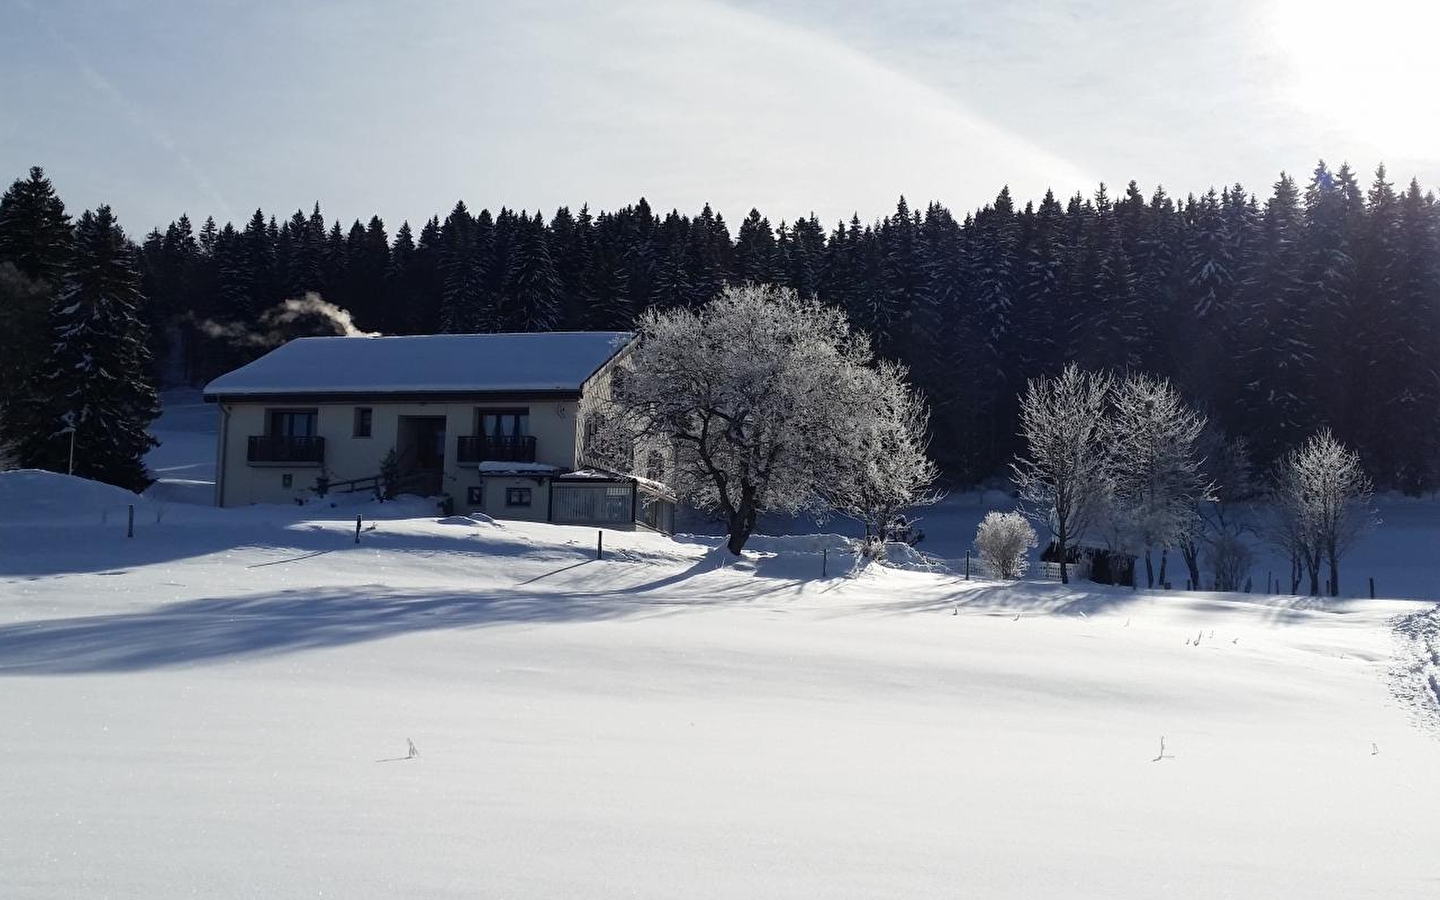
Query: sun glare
[(1366, 68)]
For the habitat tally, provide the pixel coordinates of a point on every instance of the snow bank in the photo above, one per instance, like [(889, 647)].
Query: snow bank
[(1416, 675), (34, 496), (471, 520)]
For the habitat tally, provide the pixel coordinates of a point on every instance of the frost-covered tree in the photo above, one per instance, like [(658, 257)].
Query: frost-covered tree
[(763, 396), (1321, 503), (97, 375), (883, 466), (1063, 476), (1155, 466), (1003, 539)]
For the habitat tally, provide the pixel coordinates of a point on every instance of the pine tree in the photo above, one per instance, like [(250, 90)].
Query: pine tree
[(754, 251), (672, 286), (424, 282), (334, 261), (900, 279), (98, 378), (709, 257), (260, 255), (1042, 292), (35, 248), (1408, 386), (35, 232), (1279, 352), (461, 274), (805, 261), (400, 307), (941, 353), (567, 250), (301, 264), (531, 295), (1206, 308)]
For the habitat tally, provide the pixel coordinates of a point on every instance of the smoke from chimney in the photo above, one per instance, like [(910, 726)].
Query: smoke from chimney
[(304, 316)]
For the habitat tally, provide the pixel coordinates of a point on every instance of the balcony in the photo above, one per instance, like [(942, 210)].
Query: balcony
[(284, 450), (477, 448)]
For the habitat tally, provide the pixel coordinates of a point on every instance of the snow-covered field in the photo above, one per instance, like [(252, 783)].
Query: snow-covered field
[(220, 706)]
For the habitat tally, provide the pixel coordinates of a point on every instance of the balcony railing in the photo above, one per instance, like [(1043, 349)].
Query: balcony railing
[(475, 448), (277, 449)]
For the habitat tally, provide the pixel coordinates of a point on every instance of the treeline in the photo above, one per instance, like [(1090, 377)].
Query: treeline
[(1317, 305)]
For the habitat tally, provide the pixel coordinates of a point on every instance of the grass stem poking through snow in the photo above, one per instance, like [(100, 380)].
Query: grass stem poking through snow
[(1162, 754)]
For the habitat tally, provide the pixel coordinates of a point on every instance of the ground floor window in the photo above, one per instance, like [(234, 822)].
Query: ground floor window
[(517, 496), (475, 495)]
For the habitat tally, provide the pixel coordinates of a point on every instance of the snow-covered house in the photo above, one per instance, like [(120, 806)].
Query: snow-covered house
[(496, 422)]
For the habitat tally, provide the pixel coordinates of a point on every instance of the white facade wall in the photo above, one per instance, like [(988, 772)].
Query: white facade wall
[(552, 423)]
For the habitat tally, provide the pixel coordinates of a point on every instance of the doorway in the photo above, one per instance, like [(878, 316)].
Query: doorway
[(420, 453)]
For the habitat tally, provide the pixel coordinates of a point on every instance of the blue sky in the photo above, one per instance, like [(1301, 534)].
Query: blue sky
[(793, 106)]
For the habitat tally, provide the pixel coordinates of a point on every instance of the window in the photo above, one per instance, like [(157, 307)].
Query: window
[(475, 495), (363, 417), (517, 496), (286, 480), (291, 423), (502, 423)]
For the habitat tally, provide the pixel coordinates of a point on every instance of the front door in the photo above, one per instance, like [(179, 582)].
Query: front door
[(420, 453)]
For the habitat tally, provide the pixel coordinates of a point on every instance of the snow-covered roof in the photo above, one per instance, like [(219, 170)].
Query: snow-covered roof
[(425, 364)]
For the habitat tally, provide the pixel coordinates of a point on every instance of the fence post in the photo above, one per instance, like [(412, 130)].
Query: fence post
[(1372, 587), (967, 565), (357, 529), (130, 524), (824, 562), (599, 545)]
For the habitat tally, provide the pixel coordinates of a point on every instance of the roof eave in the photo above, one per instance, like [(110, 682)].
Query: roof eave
[(419, 396)]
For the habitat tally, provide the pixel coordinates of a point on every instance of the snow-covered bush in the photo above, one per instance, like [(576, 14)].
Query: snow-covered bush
[(1004, 539)]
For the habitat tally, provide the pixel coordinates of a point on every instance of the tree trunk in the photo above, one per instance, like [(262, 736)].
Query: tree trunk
[(1149, 569), (1334, 575), (1191, 552), (1164, 563), (1312, 568), (741, 522), (1061, 540)]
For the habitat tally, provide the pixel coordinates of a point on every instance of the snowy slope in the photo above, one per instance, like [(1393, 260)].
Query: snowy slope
[(220, 707)]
